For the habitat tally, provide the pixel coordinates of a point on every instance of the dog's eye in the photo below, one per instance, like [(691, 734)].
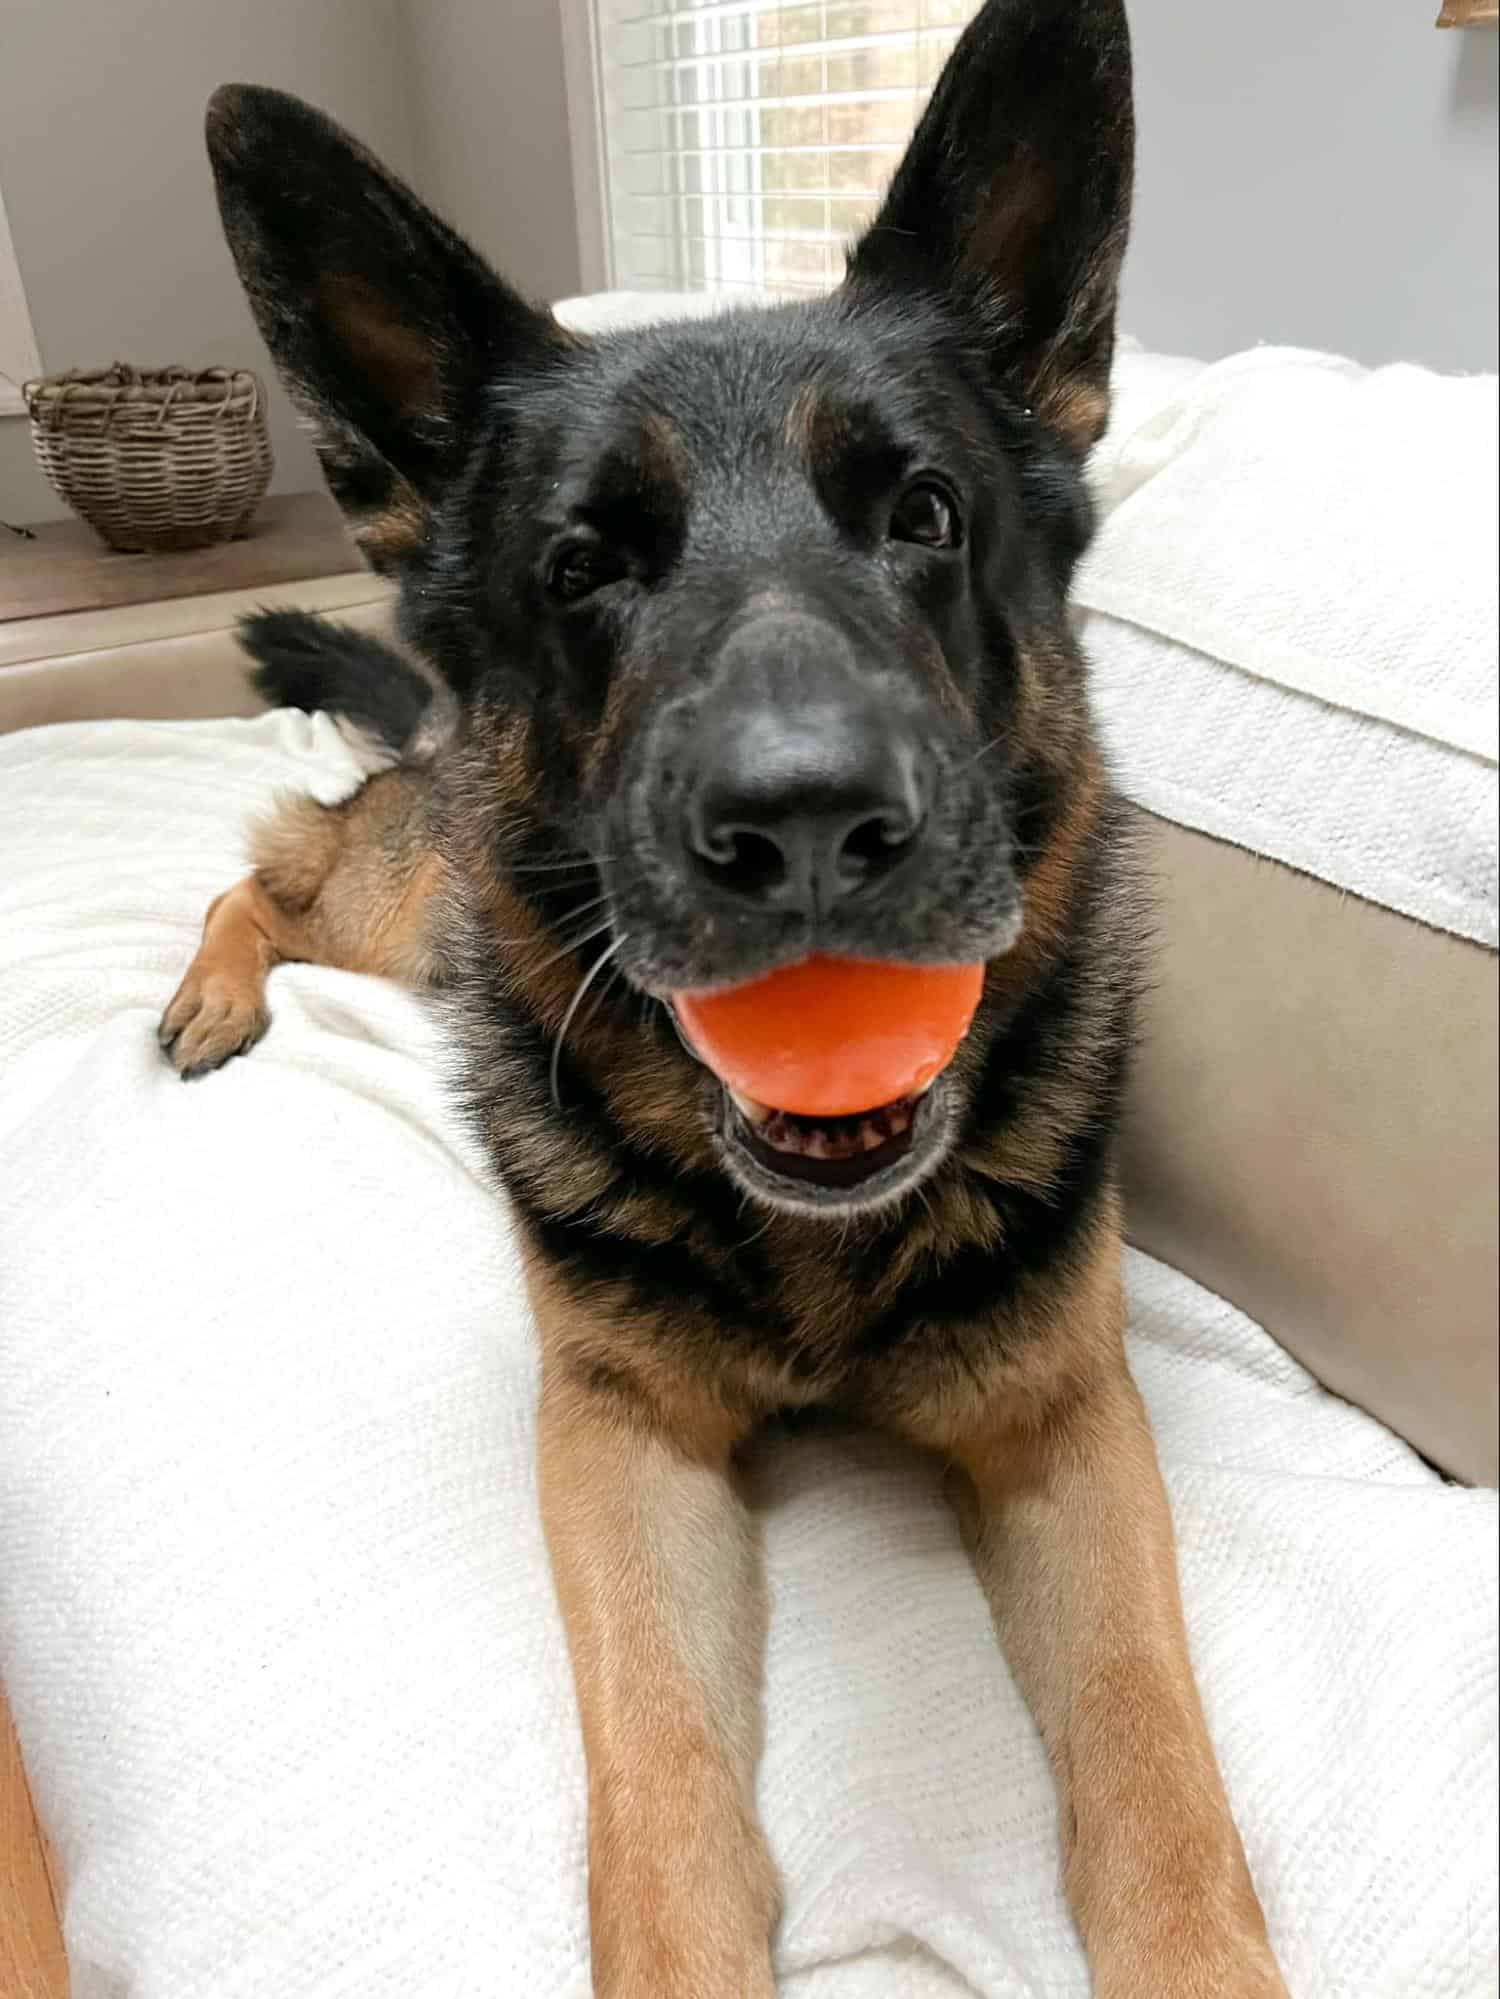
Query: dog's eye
[(579, 570), (926, 513)]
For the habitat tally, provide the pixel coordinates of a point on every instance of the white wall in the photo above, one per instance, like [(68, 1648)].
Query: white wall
[(1319, 172), (108, 191)]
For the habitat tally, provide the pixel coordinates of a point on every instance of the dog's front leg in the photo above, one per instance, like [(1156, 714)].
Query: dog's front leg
[(658, 1578), (1072, 1539)]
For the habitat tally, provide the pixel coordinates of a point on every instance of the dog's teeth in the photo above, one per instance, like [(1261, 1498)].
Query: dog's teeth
[(780, 1135), (831, 1138)]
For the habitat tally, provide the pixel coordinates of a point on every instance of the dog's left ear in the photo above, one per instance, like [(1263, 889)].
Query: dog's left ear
[(1015, 191)]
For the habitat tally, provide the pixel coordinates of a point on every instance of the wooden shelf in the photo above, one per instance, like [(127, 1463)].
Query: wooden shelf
[(1469, 14), (66, 567)]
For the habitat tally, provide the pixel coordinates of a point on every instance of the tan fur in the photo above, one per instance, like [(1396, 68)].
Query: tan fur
[(389, 353), (1078, 408), (220, 1010), (658, 1578), (350, 885), (803, 416), (1057, 1485), (661, 453), (395, 529), (1056, 1480)]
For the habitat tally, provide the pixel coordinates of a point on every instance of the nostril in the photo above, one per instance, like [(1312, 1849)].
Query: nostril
[(744, 862), (876, 845)]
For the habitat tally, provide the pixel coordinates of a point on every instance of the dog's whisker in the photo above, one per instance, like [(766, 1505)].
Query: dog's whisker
[(578, 867), (588, 934), (983, 751), (584, 983), (758, 1233), (616, 978), (580, 909), (566, 950)]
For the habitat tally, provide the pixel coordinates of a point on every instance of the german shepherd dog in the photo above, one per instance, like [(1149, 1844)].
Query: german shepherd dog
[(728, 642)]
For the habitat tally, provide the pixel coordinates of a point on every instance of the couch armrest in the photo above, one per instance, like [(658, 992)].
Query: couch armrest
[(173, 660)]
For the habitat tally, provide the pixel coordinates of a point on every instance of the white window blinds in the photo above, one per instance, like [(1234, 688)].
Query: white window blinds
[(745, 143)]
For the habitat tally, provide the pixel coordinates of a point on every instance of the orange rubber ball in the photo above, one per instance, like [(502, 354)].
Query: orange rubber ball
[(830, 1037)]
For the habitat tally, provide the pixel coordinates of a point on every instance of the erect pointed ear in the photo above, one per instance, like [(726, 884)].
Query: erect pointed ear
[(1016, 189), (384, 325)]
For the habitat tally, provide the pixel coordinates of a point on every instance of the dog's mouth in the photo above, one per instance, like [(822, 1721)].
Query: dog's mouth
[(831, 1031), (836, 1152), (833, 1165)]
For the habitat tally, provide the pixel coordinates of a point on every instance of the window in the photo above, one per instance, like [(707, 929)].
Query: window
[(743, 143), (18, 355)]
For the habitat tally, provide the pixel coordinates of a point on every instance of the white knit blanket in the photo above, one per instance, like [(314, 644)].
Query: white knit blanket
[(274, 1610), (1291, 613)]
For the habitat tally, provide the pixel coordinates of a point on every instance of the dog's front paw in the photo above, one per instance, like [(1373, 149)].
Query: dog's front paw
[(213, 1015)]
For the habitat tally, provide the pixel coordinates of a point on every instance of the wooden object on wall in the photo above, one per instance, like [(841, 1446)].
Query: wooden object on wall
[(1469, 13)]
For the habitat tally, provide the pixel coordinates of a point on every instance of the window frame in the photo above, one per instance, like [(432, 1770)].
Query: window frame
[(594, 195), (586, 142), (20, 358)]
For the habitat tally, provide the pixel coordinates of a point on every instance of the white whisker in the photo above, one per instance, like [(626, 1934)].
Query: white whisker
[(583, 985), (599, 929)]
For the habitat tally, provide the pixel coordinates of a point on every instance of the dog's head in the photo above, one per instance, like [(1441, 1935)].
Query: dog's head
[(770, 607)]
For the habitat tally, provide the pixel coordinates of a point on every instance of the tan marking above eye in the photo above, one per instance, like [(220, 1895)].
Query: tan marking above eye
[(663, 453), (801, 421)]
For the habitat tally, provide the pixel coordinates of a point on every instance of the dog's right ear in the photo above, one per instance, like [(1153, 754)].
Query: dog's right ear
[(1016, 190), (384, 325)]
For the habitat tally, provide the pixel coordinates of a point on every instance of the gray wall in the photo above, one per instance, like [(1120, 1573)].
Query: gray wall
[(108, 191), (1314, 171), (490, 119), (1318, 172)]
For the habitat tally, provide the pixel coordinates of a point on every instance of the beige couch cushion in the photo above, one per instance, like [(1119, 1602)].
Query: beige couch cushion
[(1312, 1133), (173, 660)]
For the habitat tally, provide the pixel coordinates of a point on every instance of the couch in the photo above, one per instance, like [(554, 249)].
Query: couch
[(274, 1615)]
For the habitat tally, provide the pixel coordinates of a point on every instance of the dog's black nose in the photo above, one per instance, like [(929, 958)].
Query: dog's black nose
[(806, 789)]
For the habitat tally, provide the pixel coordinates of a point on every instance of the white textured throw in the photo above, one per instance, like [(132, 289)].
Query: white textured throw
[(274, 1611), (1325, 526), (1292, 616)]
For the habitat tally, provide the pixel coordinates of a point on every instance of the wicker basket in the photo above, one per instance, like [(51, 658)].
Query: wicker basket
[(154, 458)]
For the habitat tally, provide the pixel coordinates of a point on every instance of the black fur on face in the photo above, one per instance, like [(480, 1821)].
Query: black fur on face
[(722, 491), (644, 559)]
